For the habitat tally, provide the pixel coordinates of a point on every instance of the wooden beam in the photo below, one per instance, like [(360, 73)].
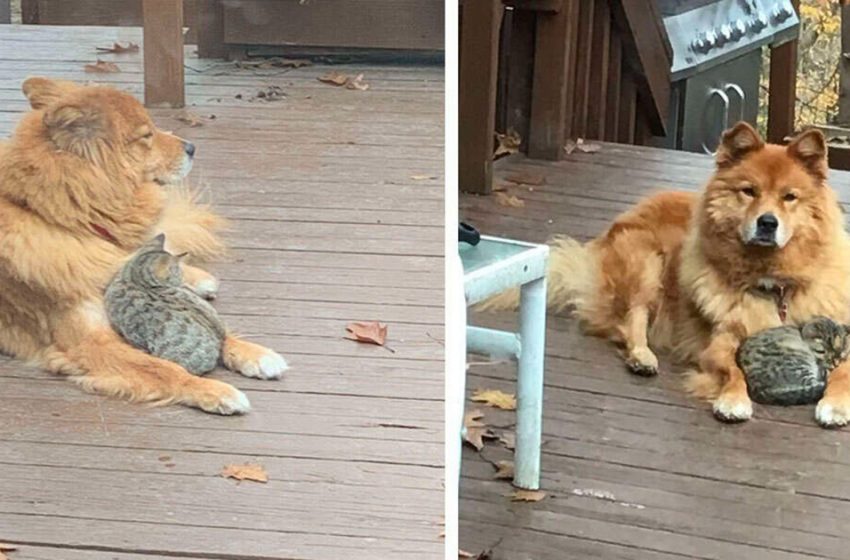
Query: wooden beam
[(163, 53), (210, 18), (29, 11), (597, 110), (612, 102), (5, 11), (585, 67), (782, 89), (844, 66), (479, 57), (554, 76)]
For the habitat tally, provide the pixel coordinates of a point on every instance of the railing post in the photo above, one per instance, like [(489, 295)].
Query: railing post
[(782, 91), (844, 66), (163, 53), (5, 11)]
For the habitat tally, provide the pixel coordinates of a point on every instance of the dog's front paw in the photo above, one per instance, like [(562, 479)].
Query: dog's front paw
[(733, 407), (217, 397), (641, 361), (833, 412), (252, 360), (200, 281)]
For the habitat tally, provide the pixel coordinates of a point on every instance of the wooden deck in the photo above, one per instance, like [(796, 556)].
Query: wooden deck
[(632, 468), (336, 202)]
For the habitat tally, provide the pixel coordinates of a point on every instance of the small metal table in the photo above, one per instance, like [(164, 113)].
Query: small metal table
[(492, 266)]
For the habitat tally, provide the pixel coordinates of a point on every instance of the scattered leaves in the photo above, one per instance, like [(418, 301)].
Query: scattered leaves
[(476, 432), (102, 67), (6, 548), (372, 332), (495, 398), (511, 200), (504, 470), (247, 471), (508, 439), (357, 83), (582, 146), (527, 495), (334, 79), (190, 118), (509, 143), (527, 178), (118, 48)]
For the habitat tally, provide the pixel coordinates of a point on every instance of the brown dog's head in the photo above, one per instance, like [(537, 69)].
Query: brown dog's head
[(768, 194), (109, 129)]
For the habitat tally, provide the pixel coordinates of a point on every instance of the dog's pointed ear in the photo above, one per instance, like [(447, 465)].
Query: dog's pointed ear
[(42, 92), (809, 148), (737, 142), (75, 128)]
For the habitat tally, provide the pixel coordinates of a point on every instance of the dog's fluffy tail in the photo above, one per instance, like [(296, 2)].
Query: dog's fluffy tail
[(192, 226), (570, 279), (703, 385)]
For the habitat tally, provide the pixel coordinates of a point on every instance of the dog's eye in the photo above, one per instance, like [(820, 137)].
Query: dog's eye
[(789, 197), (749, 191)]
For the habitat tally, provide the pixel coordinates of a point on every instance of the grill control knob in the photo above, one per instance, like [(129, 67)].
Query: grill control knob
[(758, 22), (738, 30), (781, 13)]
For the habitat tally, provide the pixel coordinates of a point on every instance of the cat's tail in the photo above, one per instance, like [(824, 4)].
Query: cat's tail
[(191, 226), (703, 385), (570, 278)]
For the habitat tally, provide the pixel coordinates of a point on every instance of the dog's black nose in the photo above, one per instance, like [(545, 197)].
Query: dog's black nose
[(190, 148), (767, 222)]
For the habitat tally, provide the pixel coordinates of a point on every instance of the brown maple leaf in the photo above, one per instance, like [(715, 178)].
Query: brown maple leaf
[(118, 48), (527, 495), (495, 398), (334, 79), (526, 178), (509, 200), (372, 332), (190, 118), (248, 471), (102, 67), (476, 432), (504, 470), (509, 143)]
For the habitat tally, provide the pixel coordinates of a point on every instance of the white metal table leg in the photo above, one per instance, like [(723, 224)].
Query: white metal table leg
[(530, 384)]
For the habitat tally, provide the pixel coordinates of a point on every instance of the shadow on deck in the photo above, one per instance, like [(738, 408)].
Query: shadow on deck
[(633, 468), (335, 199)]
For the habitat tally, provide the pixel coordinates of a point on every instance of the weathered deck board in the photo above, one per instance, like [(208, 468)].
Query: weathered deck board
[(686, 486), (335, 199)]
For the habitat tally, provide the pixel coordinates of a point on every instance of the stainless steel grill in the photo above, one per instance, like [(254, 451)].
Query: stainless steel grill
[(717, 64)]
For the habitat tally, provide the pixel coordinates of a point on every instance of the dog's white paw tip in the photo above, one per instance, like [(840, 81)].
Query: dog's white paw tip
[(733, 411), (207, 288), (828, 415), (238, 403), (272, 366)]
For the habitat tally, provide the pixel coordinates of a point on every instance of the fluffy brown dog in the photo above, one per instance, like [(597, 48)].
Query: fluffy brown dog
[(762, 244), (81, 187)]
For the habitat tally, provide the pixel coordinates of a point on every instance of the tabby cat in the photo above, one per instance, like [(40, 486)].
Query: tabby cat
[(148, 304), (789, 365)]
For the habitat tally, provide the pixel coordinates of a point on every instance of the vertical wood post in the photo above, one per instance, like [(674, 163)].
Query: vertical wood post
[(844, 66), (479, 57), (210, 18), (163, 53), (5, 11), (782, 91)]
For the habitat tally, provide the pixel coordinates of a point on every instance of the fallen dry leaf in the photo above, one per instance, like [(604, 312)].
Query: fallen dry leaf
[(495, 398), (483, 555), (509, 143), (464, 554), (504, 470), (509, 200), (102, 67), (247, 471), (587, 147), (165, 458), (118, 48), (190, 118), (334, 79), (508, 439), (525, 178), (357, 83), (470, 419), (476, 432), (367, 331), (527, 495)]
